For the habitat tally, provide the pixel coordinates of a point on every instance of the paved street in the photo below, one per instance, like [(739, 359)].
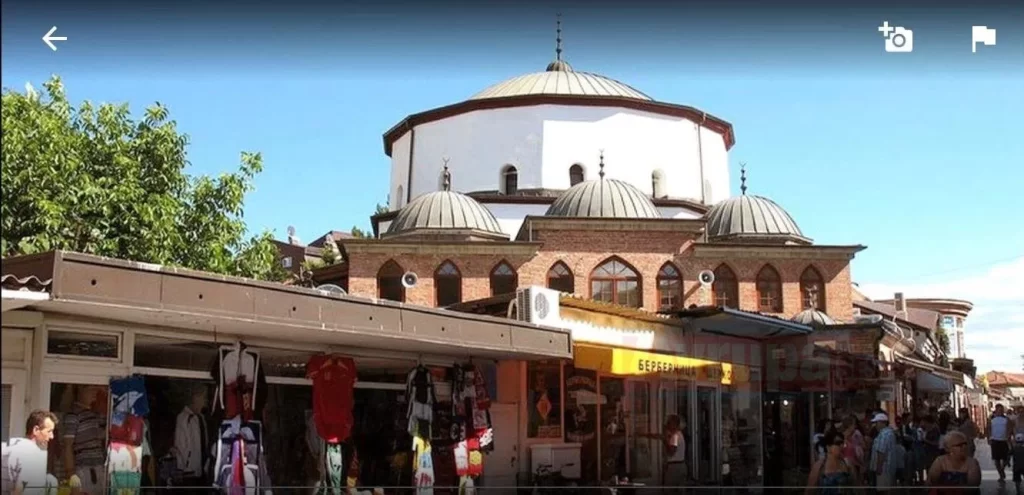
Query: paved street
[(989, 475)]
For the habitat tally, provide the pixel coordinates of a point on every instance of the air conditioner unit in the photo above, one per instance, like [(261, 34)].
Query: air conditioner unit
[(537, 305)]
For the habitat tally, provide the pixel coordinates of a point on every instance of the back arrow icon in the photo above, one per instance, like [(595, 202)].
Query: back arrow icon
[(48, 38)]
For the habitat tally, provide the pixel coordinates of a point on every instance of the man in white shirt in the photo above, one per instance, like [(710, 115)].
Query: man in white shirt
[(676, 471), (24, 470), (999, 438)]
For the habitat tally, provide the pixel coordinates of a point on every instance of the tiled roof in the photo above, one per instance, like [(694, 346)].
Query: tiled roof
[(1002, 378), (924, 318), (29, 283)]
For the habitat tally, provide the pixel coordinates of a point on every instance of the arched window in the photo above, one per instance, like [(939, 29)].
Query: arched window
[(575, 174), (616, 282), (769, 290), (658, 184), (389, 282), (812, 289), (504, 279), (560, 278), (509, 180), (447, 285), (725, 290), (399, 197), (670, 287)]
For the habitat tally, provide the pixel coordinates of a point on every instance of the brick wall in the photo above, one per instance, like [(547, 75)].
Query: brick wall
[(582, 251)]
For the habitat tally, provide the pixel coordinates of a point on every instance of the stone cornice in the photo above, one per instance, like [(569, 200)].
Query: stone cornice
[(757, 251), (537, 223), (498, 248)]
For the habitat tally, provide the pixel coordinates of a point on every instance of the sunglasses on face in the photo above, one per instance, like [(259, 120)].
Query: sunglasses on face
[(958, 445)]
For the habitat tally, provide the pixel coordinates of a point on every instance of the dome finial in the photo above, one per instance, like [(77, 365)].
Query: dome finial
[(447, 183), (600, 165), (743, 178), (558, 37)]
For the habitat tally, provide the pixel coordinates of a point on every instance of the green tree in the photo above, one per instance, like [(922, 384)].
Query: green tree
[(95, 180), (359, 233)]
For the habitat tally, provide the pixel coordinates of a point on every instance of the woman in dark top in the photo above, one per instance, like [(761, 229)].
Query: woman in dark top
[(831, 474), (956, 472)]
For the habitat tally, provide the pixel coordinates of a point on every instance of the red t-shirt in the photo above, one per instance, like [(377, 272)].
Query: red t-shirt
[(334, 378)]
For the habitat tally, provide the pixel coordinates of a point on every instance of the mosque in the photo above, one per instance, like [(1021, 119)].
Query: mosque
[(575, 181)]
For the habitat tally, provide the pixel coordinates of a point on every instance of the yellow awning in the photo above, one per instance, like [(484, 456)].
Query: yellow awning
[(630, 362)]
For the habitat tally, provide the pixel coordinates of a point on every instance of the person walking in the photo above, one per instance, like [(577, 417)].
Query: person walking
[(955, 471), (24, 459), (831, 473), (1018, 459), (883, 453), (676, 471), (999, 428)]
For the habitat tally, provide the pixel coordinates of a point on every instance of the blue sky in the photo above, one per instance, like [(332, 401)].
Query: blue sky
[(918, 156)]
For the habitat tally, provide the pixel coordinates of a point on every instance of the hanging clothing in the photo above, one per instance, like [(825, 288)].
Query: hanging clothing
[(423, 464), (241, 465), (189, 441), (241, 382), (124, 464), (128, 396), (420, 393), (334, 379)]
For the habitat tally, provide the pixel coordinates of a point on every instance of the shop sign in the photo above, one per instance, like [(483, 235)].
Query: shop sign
[(631, 362)]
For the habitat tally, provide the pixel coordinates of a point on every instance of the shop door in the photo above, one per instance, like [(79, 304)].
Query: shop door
[(62, 392), (707, 429), (673, 399), (13, 402), (644, 444), (501, 465)]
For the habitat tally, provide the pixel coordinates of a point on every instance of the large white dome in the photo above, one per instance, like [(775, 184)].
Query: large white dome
[(560, 79)]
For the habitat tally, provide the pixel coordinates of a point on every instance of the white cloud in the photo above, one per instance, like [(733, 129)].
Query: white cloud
[(995, 327)]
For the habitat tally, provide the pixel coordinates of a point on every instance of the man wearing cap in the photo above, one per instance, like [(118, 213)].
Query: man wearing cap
[(883, 461)]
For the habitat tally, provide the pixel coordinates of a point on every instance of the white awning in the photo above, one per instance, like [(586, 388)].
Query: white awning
[(17, 299), (929, 382)]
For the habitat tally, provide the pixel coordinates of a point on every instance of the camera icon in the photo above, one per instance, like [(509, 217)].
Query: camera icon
[(898, 39)]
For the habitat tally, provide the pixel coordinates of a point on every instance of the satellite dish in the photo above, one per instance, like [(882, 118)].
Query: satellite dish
[(291, 230), (706, 278), (410, 279), (331, 288)]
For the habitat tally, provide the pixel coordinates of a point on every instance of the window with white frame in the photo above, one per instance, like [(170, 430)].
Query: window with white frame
[(83, 344)]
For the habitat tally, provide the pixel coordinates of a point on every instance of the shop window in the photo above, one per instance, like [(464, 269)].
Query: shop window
[(504, 279), (544, 399), (581, 401), (725, 290), (560, 278), (616, 282), (174, 354), (509, 180), (670, 287), (614, 408), (769, 290), (575, 174), (283, 363), (812, 289), (447, 285), (389, 282), (742, 426), (82, 344)]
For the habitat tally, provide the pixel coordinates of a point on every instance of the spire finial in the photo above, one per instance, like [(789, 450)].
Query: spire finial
[(558, 37), (447, 183), (743, 178), (600, 165)]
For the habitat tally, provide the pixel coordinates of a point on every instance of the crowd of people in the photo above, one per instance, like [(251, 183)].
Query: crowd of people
[(936, 449)]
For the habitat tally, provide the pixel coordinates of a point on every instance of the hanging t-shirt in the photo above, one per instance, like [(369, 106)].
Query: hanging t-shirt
[(129, 396), (334, 378)]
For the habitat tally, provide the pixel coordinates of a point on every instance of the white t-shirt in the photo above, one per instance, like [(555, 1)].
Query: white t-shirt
[(26, 463), (1000, 428), (678, 441)]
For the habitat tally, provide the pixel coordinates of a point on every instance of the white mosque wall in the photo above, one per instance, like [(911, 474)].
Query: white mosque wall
[(543, 141), (400, 150), (510, 216)]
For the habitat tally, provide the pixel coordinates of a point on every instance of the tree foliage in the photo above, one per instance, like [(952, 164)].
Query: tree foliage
[(95, 180)]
